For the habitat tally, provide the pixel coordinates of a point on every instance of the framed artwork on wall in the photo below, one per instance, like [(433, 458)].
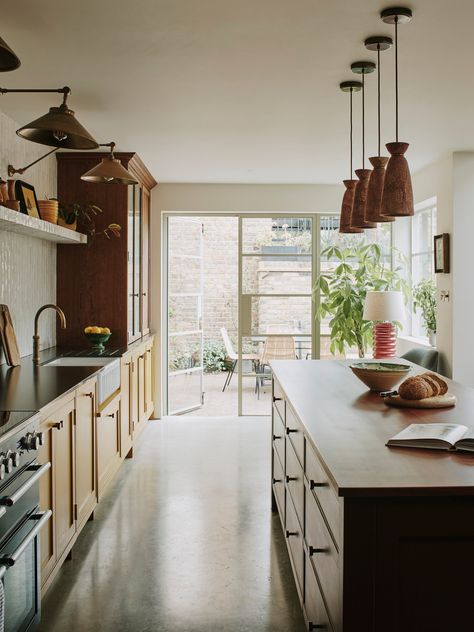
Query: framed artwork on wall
[(441, 253), (25, 194)]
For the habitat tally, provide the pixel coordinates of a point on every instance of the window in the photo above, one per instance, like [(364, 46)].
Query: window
[(423, 229)]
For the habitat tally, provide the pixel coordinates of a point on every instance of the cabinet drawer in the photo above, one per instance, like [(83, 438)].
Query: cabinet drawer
[(295, 481), (294, 539), (279, 399), (316, 613), (325, 493), (278, 485), (294, 431), (323, 554), (278, 436)]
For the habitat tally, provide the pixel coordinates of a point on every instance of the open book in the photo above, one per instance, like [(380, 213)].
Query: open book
[(435, 436)]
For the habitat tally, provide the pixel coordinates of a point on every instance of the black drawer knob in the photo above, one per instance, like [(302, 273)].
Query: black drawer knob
[(316, 626), (313, 484), (289, 534), (290, 430), (275, 437), (291, 478), (277, 480), (313, 550)]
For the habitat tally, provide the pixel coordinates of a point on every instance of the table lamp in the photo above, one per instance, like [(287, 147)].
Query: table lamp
[(384, 308)]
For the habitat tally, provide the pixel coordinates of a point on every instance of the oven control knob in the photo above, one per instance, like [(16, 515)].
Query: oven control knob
[(8, 464), (2, 471), (31, 441), (15, 457)]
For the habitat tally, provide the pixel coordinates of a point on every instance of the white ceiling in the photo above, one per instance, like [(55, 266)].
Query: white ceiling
[(242, 90)]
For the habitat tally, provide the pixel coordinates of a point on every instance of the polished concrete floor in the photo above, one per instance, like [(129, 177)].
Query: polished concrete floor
[(183, 541)]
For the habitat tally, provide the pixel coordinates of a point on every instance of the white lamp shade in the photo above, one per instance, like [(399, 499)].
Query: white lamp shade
[(384, 306)]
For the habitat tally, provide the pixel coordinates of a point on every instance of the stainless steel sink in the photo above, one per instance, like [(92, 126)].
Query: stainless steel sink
[(108, 380)]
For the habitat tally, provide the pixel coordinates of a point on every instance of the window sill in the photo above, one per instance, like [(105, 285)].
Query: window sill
[(421, 342)]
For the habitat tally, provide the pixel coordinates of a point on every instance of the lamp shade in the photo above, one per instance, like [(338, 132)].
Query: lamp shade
[(360, 200), (109, 171), (384, 306), (397, 198), (375, 191), (8, 59), (58, 128), (345, 225)]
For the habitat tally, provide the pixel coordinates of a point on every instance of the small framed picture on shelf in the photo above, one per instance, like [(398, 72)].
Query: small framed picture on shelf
[(25, 194), (441, 253)]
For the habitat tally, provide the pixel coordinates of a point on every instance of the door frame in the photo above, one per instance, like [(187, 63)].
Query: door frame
[(315, 261)]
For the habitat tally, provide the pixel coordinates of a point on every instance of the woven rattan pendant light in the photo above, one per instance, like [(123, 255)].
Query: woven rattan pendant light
[(377, 177), (348, 198), (397, 199), (360, 196)]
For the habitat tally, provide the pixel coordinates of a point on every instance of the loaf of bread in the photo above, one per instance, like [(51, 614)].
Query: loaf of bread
[(422, 386)]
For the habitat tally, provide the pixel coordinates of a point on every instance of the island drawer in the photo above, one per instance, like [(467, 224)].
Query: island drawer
[(278, 485), (325, 493), (316, 613), (294, 539), (294, 431), (295, 481), (279, 399), (322, 553), (278, 437)]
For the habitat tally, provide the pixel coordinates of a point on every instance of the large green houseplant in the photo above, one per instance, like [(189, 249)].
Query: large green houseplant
[(424, 298), (341, 292)]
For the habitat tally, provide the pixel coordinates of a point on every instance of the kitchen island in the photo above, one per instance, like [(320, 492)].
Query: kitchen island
[(379, 539)]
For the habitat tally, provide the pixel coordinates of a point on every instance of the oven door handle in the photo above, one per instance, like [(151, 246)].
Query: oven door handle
[(8, 560), (38, 470)]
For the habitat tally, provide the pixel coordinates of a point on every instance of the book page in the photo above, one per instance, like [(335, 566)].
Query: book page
[(467, 441), (446, 433)]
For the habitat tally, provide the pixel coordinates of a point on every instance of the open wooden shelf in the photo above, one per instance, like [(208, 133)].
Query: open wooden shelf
[(16, 222)]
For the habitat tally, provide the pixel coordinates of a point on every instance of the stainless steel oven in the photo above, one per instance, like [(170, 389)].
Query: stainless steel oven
[(20, 522)]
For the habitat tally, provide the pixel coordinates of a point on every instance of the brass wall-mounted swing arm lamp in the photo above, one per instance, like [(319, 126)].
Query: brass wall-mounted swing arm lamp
[(109, 170), (12, 170), (59, 127)]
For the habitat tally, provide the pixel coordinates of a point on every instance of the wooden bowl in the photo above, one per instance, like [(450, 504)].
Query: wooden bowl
[(380, 376)]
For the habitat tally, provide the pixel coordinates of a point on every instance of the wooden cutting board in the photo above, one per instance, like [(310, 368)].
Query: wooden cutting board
[(2, 338), (12, 352), (440, 401)]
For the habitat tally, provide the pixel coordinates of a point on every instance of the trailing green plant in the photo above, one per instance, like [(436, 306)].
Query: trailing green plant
[(214, 357), (85, 216), (424, 299), (341, 293)]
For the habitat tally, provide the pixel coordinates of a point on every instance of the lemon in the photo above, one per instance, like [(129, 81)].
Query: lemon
[(95, 330), (105, 330), (88, 330)]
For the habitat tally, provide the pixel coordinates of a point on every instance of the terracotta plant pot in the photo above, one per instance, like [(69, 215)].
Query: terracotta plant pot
[(48, 210), (62, 222), (360, 200), (375, 191), (346, 208), (397, 200)]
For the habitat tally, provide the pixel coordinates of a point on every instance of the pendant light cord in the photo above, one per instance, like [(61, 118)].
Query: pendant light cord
[(396, 78), (350, 110), (378, 96), (363, 120)]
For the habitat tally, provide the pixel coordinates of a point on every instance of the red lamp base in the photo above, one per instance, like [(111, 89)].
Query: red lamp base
[(385, 340)]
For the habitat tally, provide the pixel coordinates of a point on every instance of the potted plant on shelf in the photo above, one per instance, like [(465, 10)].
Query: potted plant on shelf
[(72, 215), (424, 299), (341, 292)]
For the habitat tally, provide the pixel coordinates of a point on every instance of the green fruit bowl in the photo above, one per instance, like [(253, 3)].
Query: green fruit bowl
[(380, 376), (97, 340)]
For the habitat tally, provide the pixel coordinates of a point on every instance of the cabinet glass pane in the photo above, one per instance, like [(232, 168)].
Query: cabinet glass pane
[(137, 260), (276, 275), (130, 251)]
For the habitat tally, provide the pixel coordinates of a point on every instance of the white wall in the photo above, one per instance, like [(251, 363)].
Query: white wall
[(224, 198), (27, 265)]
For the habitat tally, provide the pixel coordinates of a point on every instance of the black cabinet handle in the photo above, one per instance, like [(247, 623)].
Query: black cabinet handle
[(288, 534), (290, 430), (58, 425), (276, 399), (277, 480), (313, 550), (313, 484), (275, 437), (316, 626), (291, 478)]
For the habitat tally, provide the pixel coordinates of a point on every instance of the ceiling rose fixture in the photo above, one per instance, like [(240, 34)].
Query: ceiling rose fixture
[(360, 197), (59, 127), (376, 183), (109, 170), (397, 199), (348, 198), (8, 59)]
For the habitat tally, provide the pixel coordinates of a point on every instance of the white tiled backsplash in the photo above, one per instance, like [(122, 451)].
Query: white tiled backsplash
[(27, 264)]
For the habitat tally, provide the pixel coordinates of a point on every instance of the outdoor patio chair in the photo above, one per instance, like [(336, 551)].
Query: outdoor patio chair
[(276, 348), (233, 357)]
